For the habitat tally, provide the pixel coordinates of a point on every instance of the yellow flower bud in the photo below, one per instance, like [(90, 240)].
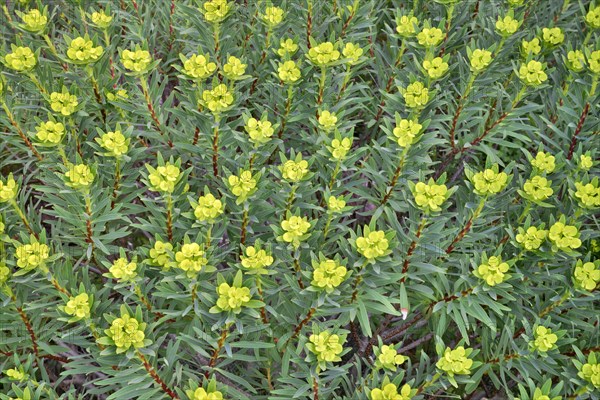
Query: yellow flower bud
[(79, 176)]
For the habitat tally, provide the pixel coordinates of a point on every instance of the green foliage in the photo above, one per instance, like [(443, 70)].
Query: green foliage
[(247, 200)]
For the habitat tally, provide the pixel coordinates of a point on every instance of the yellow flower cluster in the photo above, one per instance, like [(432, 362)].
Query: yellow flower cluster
[(587, 275), (538, 188), (198, 66), (63, 102), (287, 47), (456, 362), (191, 258), (123, 270), (430, 196), (406, 131), (50, 132), (216, 11), (590, 371), (288, 72), (430, 37), (531, 47), (372, 244), (4, 274), (588, 195), (242, 186), (353, 53), (232, 298), (406, 25), (543, 339), (576, 60), (32, 255), (326, 346), (489, 181), (255, 258), (294, 170), (202, 394), (34, 21), (126, 332), (234, 68), (507, 26), (79, 176), (390, 392), (260, 132), (328, 274), (594, 61), (136, 61), (592, 18), (336, 204), (114, 142), (101, 20), (532, 73), (82, 51), (296, 229), (585, 162), (15, 374), (164, 178), (553, 36), (78, 306), (340, 148), (8, 189), (544, 162), (388, 358), (436, 68), (160, 254), (416, 95), (532, 238), (480, 59), (493, 271), (327, 120), (208, 208), (564, 237), (323, 54), (273, 16), (22, 59), (218, 98)]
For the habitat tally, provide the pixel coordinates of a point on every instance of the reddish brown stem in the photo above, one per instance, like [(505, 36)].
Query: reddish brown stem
[(215, 354), (152, 372), (29, 328), (411, 249), (582, 118)]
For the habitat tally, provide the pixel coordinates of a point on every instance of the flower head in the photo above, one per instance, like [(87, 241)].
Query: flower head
[(493, 271), (202, 394), (287, 47), (191, 259), (294, 171), (78, 306), (82, 51), (215, 11), (255, 258), (288, 72), (590, 371), (480, 59), (543, 339), (295, 229), (587, 275), (198, 66), (123, 270), (353, 53), (406, 131), (532, 238), (388, 358), (22, 59), (272, 16), (32, 255), (260, 131), (323, 54), (340, 147), (242, 186), (327, 120), (8, 189), (218, 99), (389, 391), (372, 244), (531, 47), (208, 208), (594, 62), (34, 21), (430, 196), (507, 26), (234, 68), (588, 195), (326, 346), (114, 142), (456, 362), (164, 178), (4, 274), (489, 181), (101, 20), (232, 298), (416, 95), (336, 204), (544, 162), (63, 102), (160, 254), (15, 374), (576, 60), (553, 36), (406, 25), (430, 36), (592, 18), (328, 274), (538, 188), (564, 237), (79, 176), (50, 133), (585, 162), (436, 68), (532, 73), (126, 332), (136, 61)]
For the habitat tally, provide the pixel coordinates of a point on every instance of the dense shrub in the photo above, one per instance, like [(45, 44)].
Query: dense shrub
[(366, 199)]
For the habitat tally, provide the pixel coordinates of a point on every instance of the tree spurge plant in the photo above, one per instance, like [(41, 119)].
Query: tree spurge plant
[(333, 199)]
